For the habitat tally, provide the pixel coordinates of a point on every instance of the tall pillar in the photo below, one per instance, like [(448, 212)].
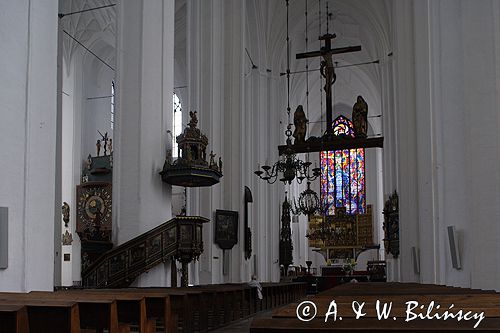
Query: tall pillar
[(406, 151), (216, 89), (145, 55), (264, 98)]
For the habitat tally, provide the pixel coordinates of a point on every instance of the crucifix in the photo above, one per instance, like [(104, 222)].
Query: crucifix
[(327, 70)]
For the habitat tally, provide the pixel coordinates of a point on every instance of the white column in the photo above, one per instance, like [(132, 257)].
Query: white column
[(28, 34), (204, 50), (265, 107), (404, 92), (215, 49), (234, 112), (145, 54), (426, 68)]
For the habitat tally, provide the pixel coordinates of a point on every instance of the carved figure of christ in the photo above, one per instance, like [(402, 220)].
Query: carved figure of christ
[(327, 70)]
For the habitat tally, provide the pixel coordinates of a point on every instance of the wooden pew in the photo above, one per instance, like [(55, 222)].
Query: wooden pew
[(476, 301), (200, 308), (131, 307), (13, 318), (208, 307), (378, 288), (167, 305), (99, 313), (48, 316)]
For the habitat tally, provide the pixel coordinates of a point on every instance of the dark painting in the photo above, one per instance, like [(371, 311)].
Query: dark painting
[(226, 228)]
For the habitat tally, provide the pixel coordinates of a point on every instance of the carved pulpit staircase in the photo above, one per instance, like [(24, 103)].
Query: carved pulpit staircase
[(119, 267)]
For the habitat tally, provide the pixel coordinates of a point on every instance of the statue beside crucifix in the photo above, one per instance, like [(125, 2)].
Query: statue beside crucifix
[(360, 118), (329, 141), (300, 122)]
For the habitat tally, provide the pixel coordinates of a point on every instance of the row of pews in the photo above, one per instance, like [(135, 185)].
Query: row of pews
[(416, 302), (143, 310)]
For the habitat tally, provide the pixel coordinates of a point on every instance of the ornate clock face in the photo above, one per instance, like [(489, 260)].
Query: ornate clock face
[(94, 207)]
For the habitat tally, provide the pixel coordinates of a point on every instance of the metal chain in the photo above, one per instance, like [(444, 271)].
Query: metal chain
[(288, 131)]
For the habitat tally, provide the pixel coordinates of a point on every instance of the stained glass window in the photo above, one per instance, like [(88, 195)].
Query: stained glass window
[(343, 174), (177, 123), (343, 127)]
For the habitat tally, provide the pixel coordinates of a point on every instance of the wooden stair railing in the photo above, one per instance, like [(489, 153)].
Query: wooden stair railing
[(119, 267)]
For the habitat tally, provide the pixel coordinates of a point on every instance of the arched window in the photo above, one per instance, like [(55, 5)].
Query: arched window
[(112, 104), (343, 174), (177, 123)]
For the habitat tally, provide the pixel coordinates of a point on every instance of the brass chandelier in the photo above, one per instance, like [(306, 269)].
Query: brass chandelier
[(290, 166)]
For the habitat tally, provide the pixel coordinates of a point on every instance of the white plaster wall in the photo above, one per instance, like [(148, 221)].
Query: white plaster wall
[(447, 74), (28, 33), (469, 170), (96, 116)]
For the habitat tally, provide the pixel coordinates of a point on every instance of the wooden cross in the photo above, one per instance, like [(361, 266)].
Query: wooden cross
[(328, 70)]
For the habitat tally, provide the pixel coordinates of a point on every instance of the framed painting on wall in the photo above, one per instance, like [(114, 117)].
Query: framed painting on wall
[(226, 228)]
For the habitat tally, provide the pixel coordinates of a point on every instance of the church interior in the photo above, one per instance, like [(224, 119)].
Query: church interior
[(183, 165)]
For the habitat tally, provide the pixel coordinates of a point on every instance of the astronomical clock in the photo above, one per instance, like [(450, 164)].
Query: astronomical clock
[(93, 208)]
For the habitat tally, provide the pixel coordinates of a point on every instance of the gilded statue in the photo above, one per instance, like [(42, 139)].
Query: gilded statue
[(300, 122), (65, 213), (67, 238), (360, 118)]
